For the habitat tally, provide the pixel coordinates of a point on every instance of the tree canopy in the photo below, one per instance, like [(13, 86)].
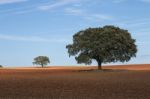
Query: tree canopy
[(41, 60), (105, 45)]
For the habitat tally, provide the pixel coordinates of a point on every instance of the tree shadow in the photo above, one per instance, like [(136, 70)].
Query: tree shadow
[(104, 70)]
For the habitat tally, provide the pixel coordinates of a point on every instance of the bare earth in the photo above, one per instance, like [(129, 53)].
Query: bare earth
[(118, 82)]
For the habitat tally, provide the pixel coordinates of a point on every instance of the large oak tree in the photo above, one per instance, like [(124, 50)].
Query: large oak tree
[(105, 45)]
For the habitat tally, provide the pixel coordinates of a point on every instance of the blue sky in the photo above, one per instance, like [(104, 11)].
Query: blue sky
[(30, 28)]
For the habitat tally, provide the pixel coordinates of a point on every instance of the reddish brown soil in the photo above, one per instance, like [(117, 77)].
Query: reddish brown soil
[(71, 83)]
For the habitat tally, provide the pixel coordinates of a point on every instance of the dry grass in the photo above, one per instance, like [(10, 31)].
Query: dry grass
[(69, 83)]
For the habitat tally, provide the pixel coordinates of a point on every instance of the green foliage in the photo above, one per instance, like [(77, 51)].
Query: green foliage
[(41, 60), (1, 66), (105, 45)]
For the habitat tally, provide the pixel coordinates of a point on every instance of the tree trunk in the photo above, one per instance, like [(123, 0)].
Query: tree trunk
[(99, 64), (42, 65)]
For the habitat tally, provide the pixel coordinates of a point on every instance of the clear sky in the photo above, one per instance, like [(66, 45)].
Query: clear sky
[(30, 28)]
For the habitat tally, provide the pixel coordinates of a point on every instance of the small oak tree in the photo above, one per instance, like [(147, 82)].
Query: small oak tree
[(41, 60), (105, 45), (1, 66)]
